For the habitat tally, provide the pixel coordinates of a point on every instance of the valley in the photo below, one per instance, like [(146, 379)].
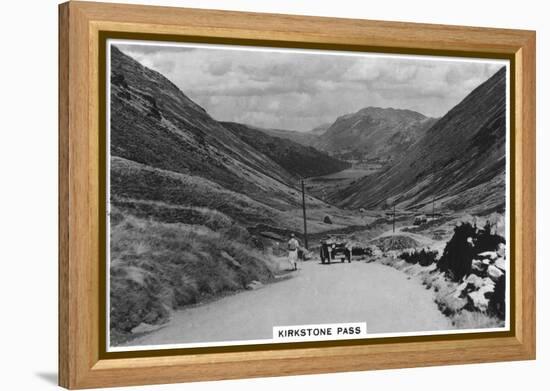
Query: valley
[(202, 209), (326, 186)]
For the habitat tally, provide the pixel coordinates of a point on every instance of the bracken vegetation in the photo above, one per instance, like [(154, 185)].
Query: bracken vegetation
[(157, 267)]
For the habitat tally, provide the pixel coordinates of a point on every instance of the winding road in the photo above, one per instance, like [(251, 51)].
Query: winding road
[(383, 297)]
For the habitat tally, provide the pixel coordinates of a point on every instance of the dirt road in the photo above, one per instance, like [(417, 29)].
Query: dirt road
[(382, 296)]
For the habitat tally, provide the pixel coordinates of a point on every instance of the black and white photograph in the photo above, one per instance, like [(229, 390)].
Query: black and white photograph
[(261, 195)]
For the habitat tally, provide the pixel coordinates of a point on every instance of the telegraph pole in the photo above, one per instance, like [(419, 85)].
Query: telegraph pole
[(304, 210), (433, 196), (394, 217)]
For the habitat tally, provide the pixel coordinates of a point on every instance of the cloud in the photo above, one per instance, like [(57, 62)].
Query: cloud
[(363, 71), (300, 90), (219, 67)]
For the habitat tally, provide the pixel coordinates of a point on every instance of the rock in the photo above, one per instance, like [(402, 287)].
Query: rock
[(327, 220), (478, 297), (494, 272), (478, 267), (375, 251), (254, 285), (488, 284), (501, 264), (476, 281), (501, 251), (395, 242), (492, 255), (145, 328), (460, 290), (479, 300)]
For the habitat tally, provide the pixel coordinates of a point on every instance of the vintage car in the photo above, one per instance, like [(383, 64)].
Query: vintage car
[(333, 249)]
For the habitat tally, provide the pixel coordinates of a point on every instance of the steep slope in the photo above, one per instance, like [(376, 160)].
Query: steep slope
[(460, 161), (374, 133), (304, 138), (155, 124), (297, 159), (308, 138), (189, 201)]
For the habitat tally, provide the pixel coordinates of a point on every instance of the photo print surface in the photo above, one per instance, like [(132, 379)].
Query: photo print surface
[(263, 195)]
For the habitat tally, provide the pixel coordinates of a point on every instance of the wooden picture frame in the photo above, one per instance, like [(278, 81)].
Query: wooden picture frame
[(82, 26)]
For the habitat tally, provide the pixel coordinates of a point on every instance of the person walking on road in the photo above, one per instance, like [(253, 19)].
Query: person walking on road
[(293, 246)]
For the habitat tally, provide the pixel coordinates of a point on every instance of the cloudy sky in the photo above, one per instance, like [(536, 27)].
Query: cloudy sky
[(300, 90)]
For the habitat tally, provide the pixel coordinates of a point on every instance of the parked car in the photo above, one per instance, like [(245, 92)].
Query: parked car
[(333, 249)]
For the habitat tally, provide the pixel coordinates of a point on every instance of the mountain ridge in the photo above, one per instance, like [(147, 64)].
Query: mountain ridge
[(374, 133), (156, 124), (299, 160), (168, 153), (462, 151)]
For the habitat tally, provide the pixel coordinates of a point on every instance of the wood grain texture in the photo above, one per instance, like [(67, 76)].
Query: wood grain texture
[(64, 353), (526, 122), (79, 251)]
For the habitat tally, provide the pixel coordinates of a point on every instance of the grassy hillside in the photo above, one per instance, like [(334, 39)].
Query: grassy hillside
[(307, 138), (158, 267), (174, 243), (154, 123), (297, 159), (189, 199), (131, 180)]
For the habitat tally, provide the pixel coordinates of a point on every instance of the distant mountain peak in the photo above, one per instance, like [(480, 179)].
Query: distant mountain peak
[(384, 112), (459, 162), (374, 133)]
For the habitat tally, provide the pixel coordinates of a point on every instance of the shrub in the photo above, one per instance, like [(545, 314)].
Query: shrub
[(422, 257), (459, 252), (133, 299), (467, 241), (487, 241)]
